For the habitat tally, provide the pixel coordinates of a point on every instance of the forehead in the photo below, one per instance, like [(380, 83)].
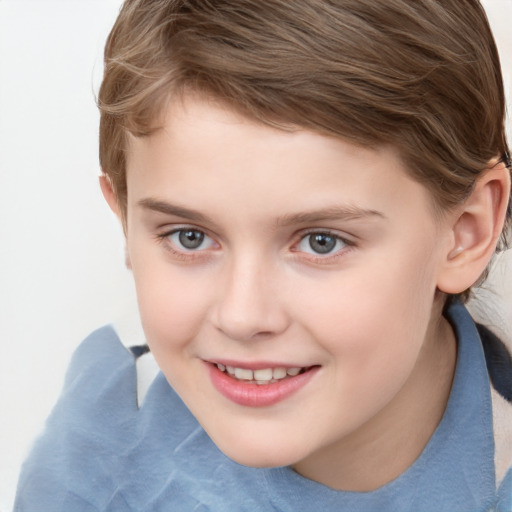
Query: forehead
[(207, 153)]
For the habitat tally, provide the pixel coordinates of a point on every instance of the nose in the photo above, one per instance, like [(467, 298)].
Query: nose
[(250, 304)]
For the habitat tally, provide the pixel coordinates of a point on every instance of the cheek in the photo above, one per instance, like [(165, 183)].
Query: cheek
[(380, 297), (172, 302), (373, 323)]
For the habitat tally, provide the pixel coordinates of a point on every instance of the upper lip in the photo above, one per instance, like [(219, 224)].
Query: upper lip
[(255, 365)]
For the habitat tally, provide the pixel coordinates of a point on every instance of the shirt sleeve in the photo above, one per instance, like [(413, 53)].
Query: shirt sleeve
[(72, 464)]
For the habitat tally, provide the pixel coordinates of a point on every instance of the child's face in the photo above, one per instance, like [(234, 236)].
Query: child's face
[(263, 249)]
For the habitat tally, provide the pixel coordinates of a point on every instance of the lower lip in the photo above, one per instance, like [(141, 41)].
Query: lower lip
[(256, 395)]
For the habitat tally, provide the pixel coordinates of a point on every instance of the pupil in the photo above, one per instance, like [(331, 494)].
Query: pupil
[(322, 243), (191, 239)]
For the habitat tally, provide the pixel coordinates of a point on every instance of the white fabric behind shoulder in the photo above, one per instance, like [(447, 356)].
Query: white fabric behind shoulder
[(492, 304), (502, 423), (130, 332)]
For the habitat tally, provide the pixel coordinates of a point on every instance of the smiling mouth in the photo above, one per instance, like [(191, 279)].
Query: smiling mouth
[(263, 376), (260, 387)]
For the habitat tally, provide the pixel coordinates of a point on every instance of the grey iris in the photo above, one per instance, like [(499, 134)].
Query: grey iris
[(322, 243), (191, 239)]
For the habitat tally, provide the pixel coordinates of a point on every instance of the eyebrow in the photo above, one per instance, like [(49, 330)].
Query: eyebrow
[(171, 209), (325, 214), (331, 213)]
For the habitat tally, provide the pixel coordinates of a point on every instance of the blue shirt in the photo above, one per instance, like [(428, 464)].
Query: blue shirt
[(100, 452)]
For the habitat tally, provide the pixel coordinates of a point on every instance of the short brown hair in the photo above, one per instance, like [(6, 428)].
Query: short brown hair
[(421, 75)]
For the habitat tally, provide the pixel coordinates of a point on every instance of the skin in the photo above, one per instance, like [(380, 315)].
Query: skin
[(368, 313)]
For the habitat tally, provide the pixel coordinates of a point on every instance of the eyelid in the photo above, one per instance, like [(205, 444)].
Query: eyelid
[(347, 239), (169, 229)]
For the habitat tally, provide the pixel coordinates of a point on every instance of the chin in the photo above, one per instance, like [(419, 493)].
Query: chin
[(258, 454), (257, 460)]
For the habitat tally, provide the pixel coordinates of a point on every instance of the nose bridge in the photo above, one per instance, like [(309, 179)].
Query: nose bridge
[(250, 301)]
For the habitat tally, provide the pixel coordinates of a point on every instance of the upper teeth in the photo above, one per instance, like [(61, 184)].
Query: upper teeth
[(260, 376)]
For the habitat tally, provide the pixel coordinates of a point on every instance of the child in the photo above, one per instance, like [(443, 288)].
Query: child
[(309, 190)]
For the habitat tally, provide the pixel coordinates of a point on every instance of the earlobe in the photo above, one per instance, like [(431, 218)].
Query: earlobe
[(111, 198), (109, 195), (476, 228), (127, 260)]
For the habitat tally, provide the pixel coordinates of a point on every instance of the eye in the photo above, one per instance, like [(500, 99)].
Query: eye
[(321, 243), (189, 239)]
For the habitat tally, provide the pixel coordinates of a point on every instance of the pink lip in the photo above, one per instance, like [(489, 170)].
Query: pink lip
[(254, 395)]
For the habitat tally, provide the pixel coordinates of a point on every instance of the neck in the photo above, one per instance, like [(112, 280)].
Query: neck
[(388, 444)]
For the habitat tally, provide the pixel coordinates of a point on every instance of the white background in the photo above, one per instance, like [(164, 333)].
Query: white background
[(61, 251)]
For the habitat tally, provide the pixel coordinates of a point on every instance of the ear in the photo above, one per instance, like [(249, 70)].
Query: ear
[(475, 229), (111, 198), (109, 195)]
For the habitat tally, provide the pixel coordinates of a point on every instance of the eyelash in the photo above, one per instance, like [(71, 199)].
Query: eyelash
[(191, 254)]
